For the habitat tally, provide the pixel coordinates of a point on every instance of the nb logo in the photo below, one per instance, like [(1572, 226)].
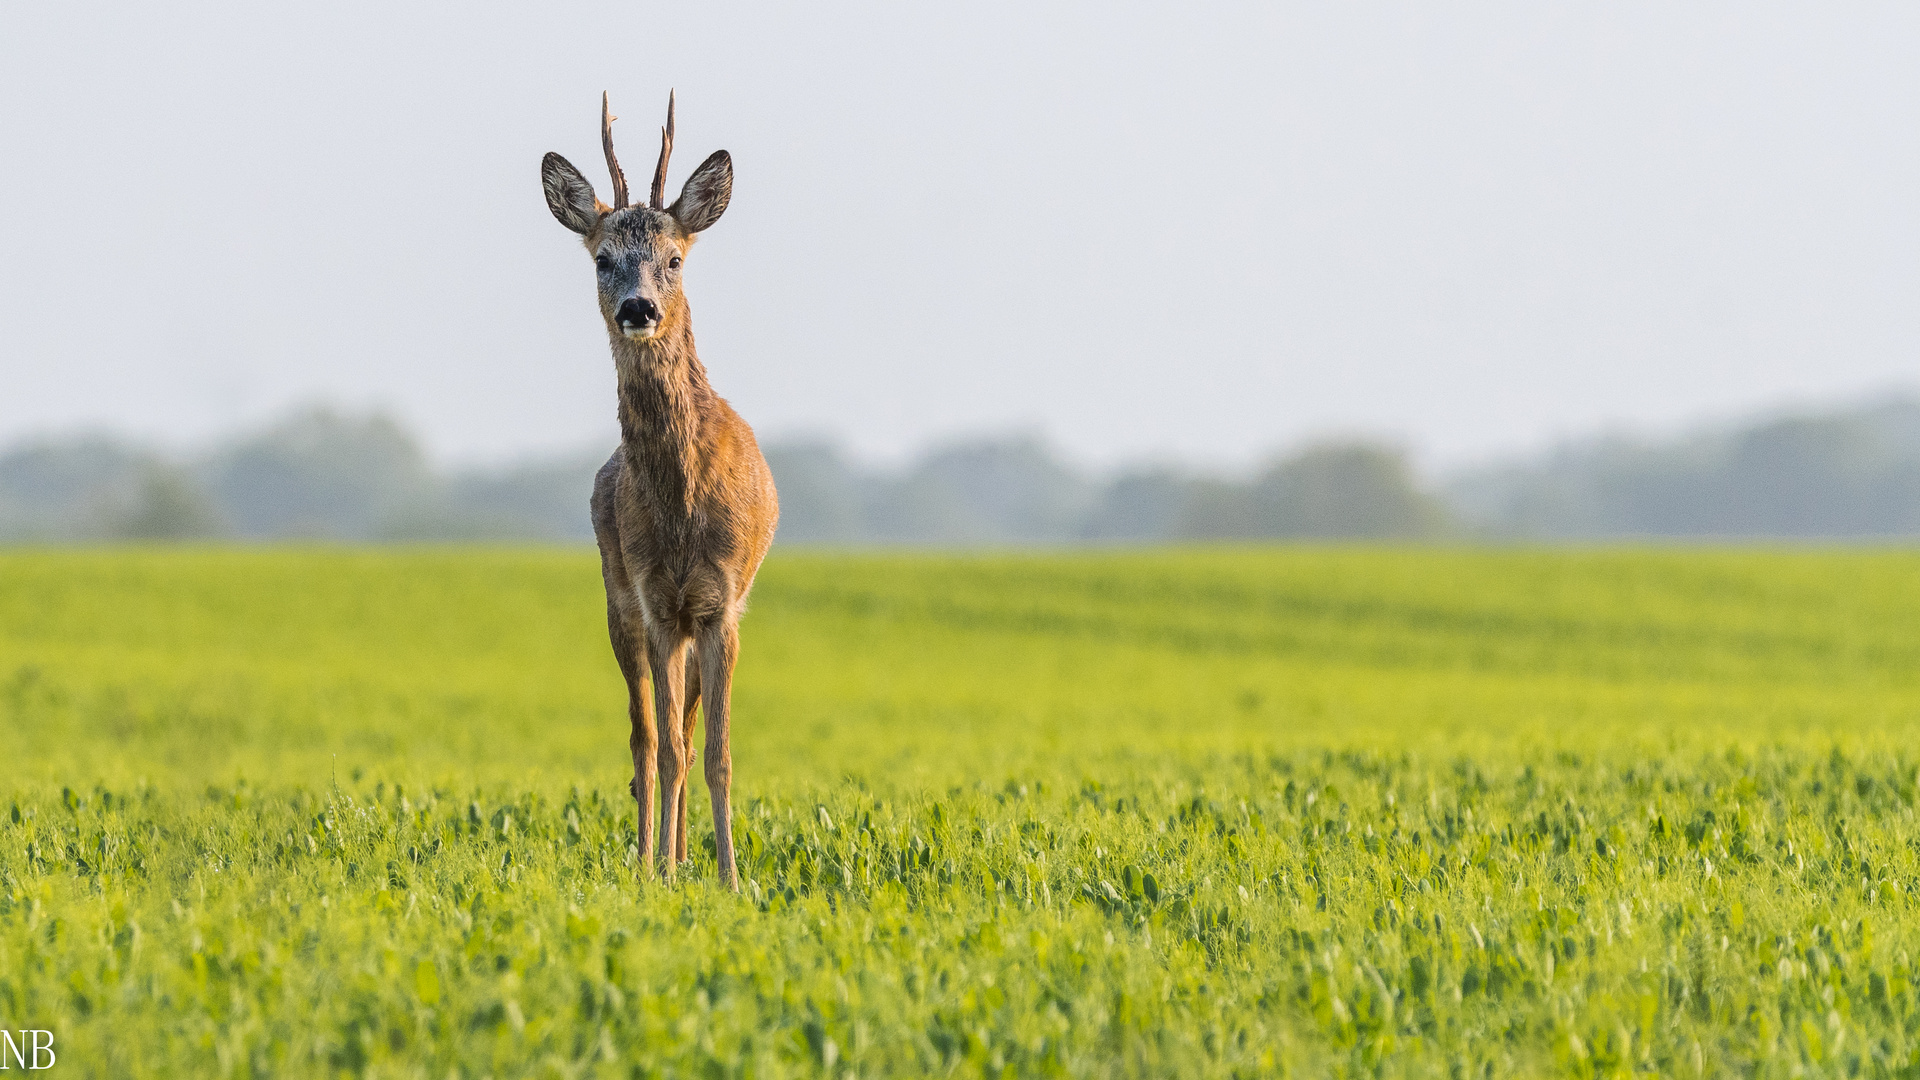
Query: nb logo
[(32, 1050)]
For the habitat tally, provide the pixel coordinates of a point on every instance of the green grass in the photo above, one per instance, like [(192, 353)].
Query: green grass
[(1211, 813)]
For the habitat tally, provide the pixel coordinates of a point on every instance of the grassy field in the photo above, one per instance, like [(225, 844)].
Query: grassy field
[(1215, 813)]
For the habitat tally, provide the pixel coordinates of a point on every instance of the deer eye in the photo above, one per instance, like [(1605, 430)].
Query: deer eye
[(673, 263), (601, 262)]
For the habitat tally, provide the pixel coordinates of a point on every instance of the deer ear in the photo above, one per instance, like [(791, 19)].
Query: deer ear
[(705, 197), (569, 195)]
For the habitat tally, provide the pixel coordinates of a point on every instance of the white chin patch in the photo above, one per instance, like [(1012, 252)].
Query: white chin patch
[(639, 333)]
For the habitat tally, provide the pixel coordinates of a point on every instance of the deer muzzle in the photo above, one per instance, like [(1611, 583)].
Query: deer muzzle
[(638, 317)]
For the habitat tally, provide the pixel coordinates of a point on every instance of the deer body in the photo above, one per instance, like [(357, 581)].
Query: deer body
[(684, 511)]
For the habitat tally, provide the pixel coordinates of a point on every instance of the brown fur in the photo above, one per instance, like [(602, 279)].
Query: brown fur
[(684, 511)]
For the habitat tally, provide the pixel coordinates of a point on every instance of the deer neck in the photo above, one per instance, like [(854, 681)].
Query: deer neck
[(664, 399)]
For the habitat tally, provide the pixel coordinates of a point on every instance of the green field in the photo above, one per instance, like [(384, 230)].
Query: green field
[(1302, 812)]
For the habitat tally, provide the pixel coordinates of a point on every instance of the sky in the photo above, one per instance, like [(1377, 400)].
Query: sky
[(1142, 230)]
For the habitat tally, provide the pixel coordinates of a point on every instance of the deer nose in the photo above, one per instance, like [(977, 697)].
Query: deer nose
[(638, 311)]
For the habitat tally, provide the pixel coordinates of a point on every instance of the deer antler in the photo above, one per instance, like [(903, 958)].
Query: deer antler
[(666, 151), (613, 163)]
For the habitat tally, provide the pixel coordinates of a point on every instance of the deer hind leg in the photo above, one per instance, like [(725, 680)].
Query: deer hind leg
[(668, 656), (692, 703), (719, 647)]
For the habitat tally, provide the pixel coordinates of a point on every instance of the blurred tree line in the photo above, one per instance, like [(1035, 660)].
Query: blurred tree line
[(318, 474), (1841, 474), (1016, 491), (324, 475)]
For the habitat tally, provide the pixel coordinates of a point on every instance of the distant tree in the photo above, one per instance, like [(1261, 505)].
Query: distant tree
[(920, 509), (988, 490), (1218, 509), (166, 504), (1343, 490), (820, 493), (1141, 506), (533, 500), (1805, 476), (56, 489), (321, 474)]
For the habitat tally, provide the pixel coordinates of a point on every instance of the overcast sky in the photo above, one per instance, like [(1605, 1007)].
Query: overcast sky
[(1200, 231)]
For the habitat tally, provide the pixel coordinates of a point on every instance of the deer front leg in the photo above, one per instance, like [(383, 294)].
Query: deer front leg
[(642, 741), (669, 659), (718, 649)]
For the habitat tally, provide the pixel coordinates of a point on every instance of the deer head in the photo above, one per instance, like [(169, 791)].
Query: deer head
[(638, 250)]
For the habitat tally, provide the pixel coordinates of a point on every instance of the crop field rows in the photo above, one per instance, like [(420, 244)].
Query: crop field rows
[(1215, 813)]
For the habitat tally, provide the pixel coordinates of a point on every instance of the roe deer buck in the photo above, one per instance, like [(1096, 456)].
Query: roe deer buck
[(685, 510)]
